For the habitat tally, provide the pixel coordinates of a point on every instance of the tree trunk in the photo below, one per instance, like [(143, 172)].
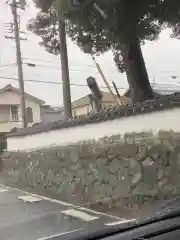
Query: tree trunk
[(136, 70)]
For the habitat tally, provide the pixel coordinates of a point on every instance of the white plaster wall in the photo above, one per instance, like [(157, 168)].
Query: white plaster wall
[(9, 98), (80, 110), (163, 120)]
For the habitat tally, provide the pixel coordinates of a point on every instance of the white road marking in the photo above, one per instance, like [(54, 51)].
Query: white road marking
[(81, 215), (120, 222), (64, 203), (3, 190), (56, 235), (30, 199)]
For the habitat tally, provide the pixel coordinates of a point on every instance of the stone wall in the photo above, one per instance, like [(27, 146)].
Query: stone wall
[(122, 172)]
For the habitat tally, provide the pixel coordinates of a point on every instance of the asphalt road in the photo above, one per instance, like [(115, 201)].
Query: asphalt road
[(24, 216)]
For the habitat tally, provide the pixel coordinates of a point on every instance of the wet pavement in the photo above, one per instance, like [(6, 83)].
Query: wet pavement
[(24, 216)]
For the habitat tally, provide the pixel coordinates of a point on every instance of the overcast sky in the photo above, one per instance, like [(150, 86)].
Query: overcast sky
[(162, 59)]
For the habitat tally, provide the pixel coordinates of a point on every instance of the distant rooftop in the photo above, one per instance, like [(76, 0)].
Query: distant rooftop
[(52, 108)]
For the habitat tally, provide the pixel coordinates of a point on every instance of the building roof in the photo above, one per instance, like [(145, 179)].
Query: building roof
[(107, 97), (48, 108), (10, 88)]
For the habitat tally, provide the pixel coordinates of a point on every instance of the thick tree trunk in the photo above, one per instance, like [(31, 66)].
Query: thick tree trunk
[(136, 70)]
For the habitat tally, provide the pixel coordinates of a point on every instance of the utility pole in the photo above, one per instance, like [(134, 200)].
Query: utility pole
[(105, 80), (117, 92), (65, 71), (19, 63)]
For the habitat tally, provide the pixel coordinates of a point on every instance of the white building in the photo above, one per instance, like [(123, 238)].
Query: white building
[(10, 111)]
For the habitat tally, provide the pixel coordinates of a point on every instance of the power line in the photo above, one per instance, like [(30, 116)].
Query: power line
[(70, 69), (51, 67), (75, 65), (40, 65), (51, 82), (8, 65), (78, 65), (50, 61), (79, 85), (91, 66)]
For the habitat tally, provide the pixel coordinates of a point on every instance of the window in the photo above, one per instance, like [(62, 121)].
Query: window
[(29, 115), (14, 111), (89, 109), (74, 113), (104, 106), (86, 109)]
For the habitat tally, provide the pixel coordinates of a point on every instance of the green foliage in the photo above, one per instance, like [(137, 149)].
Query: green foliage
[(93, 34), (46, 26), (129, 22), (43, 4), (169, 14)]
